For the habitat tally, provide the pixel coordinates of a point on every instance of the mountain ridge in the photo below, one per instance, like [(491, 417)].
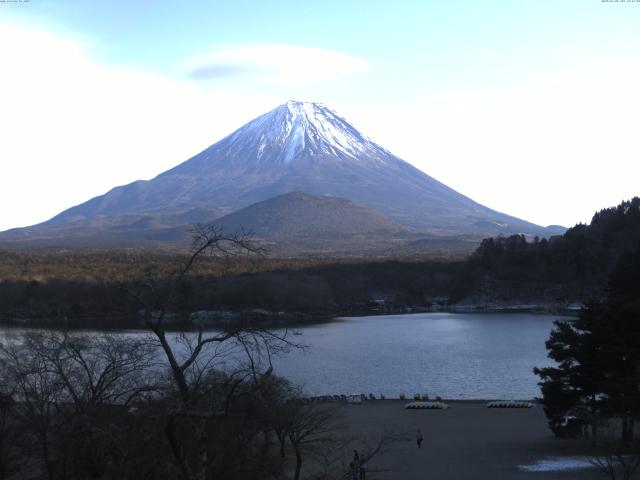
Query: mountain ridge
[(298, 146)]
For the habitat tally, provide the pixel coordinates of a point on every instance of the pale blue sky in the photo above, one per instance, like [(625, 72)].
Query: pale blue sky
[(527, 106), (441, 42)]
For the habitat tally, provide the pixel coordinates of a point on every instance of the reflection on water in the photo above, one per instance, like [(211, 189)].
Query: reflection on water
[(449, 355), (455, 356)]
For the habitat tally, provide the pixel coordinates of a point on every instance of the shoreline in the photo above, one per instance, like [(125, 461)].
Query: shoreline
[(218, 320), (537, 308), (454, 401)]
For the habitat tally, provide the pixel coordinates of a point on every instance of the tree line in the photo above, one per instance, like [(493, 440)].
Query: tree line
[(574, 265), (81, 290), (199, 405)]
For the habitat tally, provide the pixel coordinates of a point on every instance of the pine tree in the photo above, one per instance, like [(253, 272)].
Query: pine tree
[(598, 357)]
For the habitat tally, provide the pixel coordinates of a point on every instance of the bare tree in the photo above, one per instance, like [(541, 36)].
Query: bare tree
[(192, 356), (615, 457), (372, 447), (310, 425), (11, 436), (37, 392), (69, 392), (156, 302), (195, 405), (93, 370), (332, 459)]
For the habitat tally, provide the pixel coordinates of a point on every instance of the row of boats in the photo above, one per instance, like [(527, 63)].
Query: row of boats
[(420, 402)]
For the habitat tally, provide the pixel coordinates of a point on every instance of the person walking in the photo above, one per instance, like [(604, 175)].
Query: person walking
[(355, 465), (363, 469), (419, 438)]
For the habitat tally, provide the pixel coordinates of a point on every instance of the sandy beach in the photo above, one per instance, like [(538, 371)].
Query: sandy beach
[(466, 441)]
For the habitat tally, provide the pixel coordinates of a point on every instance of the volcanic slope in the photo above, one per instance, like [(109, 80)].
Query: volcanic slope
[(298, 146), (299, 223)]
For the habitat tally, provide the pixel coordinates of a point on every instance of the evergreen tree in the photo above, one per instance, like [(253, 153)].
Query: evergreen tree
[(598, 357)]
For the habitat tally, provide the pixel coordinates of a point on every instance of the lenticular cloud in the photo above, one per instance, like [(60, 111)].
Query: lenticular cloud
[(280, 64)]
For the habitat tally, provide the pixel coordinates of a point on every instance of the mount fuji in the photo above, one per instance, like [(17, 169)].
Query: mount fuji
[(297, 147)]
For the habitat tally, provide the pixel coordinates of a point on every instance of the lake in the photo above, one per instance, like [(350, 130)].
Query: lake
[(451, 355), (455, 356)]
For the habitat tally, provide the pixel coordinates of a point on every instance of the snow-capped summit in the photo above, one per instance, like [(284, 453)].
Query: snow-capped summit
[(298, 146), (297, 132)]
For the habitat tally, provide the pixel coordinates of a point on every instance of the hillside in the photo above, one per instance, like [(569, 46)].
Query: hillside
[(298, 146), (574, 266), (300, 223), (78, 289)]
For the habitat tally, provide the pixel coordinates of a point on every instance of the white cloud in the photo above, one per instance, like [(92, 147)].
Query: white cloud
[(288, 65), (73, 128)]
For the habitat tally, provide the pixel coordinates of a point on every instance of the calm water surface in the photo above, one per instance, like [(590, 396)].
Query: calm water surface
[(455, 356), (461, 356)]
